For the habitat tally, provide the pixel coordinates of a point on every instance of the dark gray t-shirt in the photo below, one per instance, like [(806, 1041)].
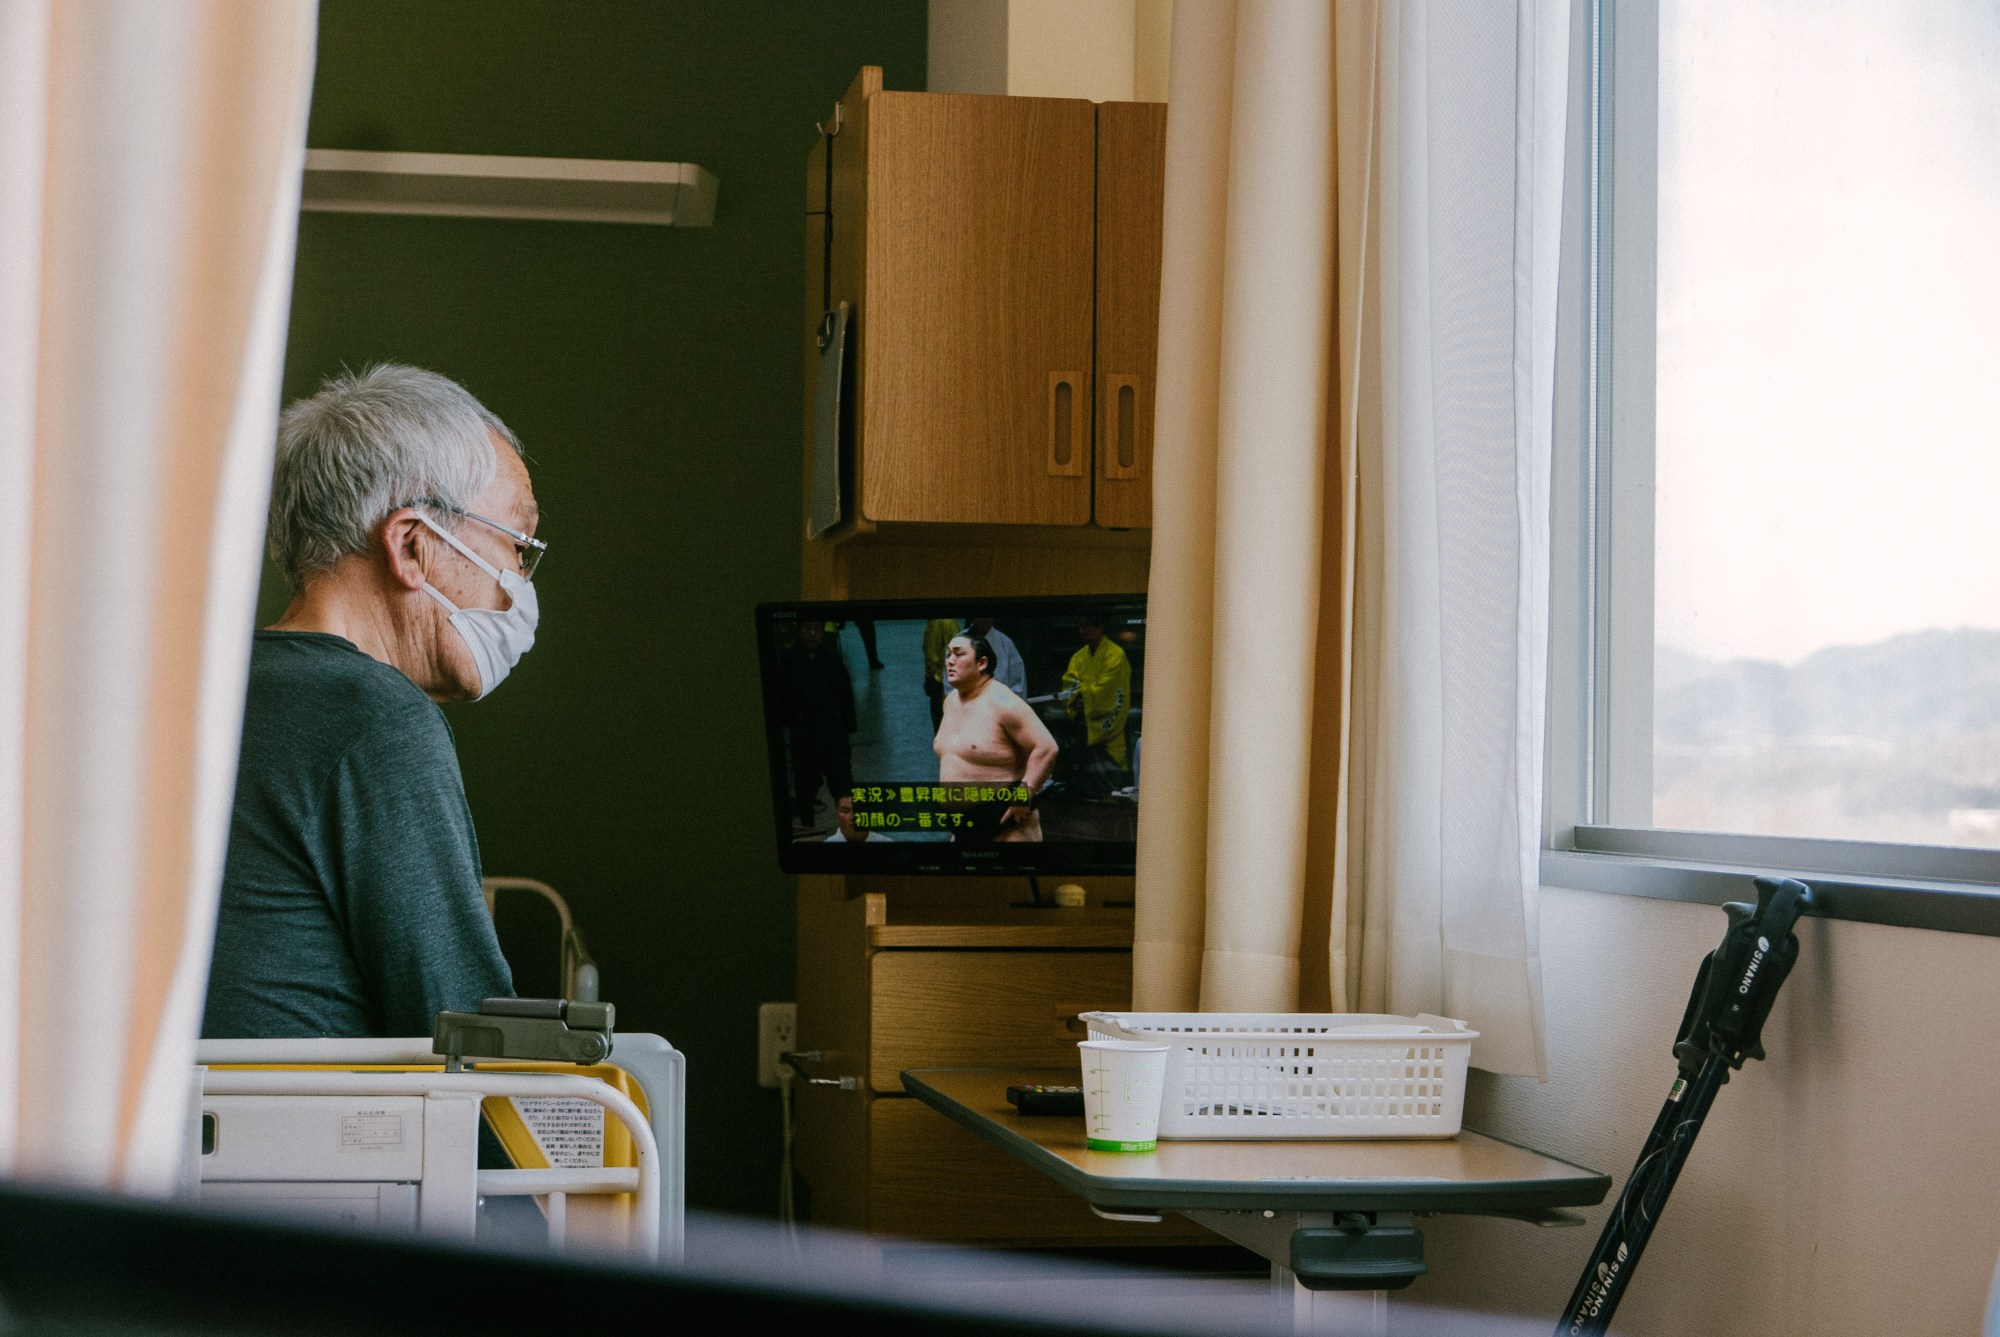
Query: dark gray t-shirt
[(350, 900)]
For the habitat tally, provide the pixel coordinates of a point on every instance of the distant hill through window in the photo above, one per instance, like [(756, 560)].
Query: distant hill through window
[(1896, 741)]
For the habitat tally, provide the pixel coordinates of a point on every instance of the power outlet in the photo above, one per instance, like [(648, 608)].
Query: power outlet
[(777, 1033)]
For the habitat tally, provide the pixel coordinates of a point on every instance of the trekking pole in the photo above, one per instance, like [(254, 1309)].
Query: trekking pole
[(1733, 993)]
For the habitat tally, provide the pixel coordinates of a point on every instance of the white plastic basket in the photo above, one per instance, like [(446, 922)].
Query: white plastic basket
[(1303, 1074)]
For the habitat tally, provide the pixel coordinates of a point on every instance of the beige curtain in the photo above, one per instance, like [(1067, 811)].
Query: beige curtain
[(1251, 588), (150, 157), (1349, 594)]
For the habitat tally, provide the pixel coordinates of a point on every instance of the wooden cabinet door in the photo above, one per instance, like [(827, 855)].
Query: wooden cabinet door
[(976, 324), (957, 1009), (1131, 176)]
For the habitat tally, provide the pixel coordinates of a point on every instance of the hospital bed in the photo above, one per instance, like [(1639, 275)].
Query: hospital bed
[(378, 1134)]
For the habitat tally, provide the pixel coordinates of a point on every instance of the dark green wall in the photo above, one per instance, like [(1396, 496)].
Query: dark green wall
[(654, 376)]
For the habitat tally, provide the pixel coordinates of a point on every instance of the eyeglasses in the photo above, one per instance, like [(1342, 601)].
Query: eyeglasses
[(530, 550)]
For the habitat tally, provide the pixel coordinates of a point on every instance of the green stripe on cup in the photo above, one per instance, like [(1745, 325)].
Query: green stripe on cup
[(1099, 1144)]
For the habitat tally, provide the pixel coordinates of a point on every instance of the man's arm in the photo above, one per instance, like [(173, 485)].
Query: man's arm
[(1072, 682), (1024, 728), (407, 882), (1114, 701)]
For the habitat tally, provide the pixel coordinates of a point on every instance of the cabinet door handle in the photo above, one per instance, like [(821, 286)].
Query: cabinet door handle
[(1121, 427), (1069, 425)]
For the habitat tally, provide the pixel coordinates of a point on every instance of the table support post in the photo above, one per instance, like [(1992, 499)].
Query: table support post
[(1269, 1235), (1361, 1313)]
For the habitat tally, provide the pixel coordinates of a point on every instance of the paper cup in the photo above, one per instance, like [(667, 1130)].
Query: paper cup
[(1122, 1084)]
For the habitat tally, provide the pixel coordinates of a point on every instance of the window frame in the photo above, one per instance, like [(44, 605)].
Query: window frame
[(1598, 777)]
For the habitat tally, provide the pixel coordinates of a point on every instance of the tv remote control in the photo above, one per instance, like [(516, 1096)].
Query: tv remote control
[(1046, 1099)]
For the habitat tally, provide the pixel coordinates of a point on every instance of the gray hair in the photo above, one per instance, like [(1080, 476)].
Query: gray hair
[(365, 445)]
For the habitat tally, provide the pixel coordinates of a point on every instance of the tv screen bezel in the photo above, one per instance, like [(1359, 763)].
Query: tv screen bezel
[(928, 858)]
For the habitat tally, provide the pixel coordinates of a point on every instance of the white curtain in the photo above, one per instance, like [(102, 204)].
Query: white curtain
[(1349, 588), (150, 158), (1452, 615)]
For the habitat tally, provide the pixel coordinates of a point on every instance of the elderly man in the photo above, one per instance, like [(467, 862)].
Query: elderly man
[(402, 516)]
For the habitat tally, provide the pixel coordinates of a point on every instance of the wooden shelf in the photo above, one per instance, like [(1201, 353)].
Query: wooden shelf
[(897, 533), (467, 185), (1048, 930)]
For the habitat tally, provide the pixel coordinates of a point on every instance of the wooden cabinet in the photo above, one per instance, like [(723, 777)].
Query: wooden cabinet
[(1000, 256), (1131, 177), (975, 330), (957, 1007), (937, 973)]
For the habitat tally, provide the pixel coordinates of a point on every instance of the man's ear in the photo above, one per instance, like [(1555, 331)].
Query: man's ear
[(405, 542)]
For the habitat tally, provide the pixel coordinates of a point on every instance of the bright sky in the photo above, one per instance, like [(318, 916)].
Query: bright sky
[(1828, 463)]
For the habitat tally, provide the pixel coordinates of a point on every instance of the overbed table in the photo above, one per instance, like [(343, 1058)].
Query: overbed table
[(1333, 1217)]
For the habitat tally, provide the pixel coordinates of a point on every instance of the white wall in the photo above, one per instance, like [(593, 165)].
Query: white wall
[(1104, 50), (1848, 1185), (1152, 38), (967, 46), (1071, 48)]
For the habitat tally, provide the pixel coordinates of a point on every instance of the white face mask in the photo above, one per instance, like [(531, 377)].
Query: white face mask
[(497, 637)]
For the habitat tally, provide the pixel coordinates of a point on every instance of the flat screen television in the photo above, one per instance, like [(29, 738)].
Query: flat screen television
[(955, 735)]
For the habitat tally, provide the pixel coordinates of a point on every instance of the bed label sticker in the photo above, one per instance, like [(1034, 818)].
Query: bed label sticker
[(371, 1130), (569, 1131)]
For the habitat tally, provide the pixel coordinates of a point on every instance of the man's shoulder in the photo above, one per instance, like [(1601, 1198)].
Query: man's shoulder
[(308, 686), (995, 704), (1005, 698)]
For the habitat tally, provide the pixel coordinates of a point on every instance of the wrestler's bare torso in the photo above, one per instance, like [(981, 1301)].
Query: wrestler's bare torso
[(976, 740), (992, 736)]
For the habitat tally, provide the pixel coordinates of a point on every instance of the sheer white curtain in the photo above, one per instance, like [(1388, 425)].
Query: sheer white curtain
[(1349, 586), (150, 157), (1452, 607)]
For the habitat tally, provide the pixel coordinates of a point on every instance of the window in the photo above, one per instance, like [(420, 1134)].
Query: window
[(1781, 643)]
